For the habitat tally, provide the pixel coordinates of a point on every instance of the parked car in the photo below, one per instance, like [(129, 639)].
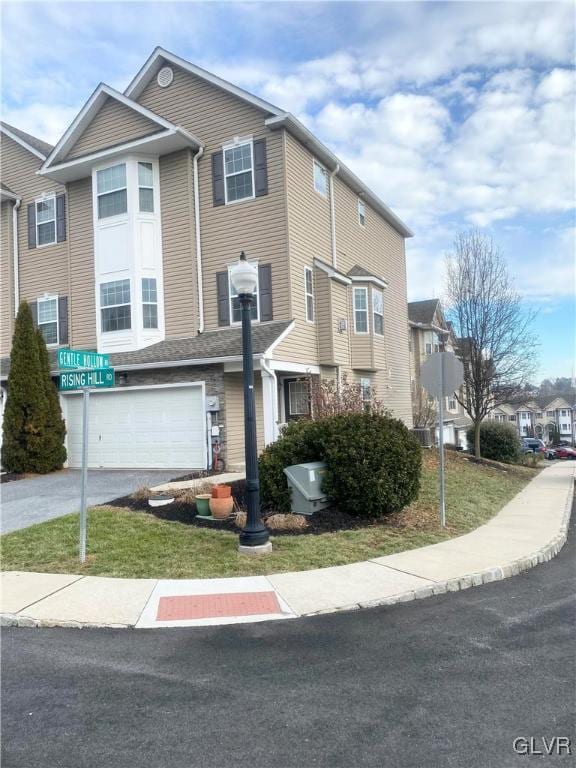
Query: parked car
[(533, 445), (561, 452)]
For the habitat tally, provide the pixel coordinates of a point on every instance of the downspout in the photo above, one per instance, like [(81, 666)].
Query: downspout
[(333, 214), (197, 157), (16, 264), (272, 374)]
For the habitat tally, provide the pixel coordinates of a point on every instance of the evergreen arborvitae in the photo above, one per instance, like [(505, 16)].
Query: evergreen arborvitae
[(25, 414), (54, 454)]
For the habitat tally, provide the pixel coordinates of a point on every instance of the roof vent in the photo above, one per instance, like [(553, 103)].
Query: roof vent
[(165, 77)]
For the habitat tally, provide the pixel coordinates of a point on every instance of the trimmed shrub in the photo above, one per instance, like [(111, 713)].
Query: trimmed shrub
[(373, 463), (54, 452), (499, 441)]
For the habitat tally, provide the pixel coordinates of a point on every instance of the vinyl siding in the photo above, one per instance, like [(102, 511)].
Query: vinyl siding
[(341, 341), (82, 302), (234, 396), (323, 314), (309, 238), (114, 124), (379, 248), (45, 269), (256, 226), (6, 285), (178, 244)]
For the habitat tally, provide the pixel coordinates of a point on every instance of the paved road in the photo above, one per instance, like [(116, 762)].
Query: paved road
[(35, 499), (448, 681)]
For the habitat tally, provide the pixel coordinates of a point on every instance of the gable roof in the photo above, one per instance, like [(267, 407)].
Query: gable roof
[(212, 346), (57, 157), (34, 145), (278, 119), (422, 312)]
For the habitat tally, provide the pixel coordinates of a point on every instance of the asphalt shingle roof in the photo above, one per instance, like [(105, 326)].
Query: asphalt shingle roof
[(41, 146), (212, 344), (358, 271), (422, 311)]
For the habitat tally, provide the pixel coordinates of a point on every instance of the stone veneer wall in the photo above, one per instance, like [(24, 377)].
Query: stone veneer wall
[(211, 375)]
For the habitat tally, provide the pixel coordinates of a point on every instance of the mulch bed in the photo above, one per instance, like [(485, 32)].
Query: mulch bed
[(9, 477), (324, 521)]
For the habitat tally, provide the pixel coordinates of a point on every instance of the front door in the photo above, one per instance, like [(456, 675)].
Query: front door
[(296, 399)]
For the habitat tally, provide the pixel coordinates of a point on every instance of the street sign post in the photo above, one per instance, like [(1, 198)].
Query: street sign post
[(84, 370), (441, 374)]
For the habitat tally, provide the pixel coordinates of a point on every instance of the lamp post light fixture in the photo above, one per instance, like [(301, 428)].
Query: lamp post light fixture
[(254, 538)]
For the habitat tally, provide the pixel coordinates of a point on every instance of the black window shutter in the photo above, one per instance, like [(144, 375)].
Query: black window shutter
[(265, 291), (223, 303), (63, 320), (32, 225), (60, 218), (34, 310), (260, 168), (218, 178)]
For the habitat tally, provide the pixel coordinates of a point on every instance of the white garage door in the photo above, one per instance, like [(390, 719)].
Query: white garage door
[(140, 428)]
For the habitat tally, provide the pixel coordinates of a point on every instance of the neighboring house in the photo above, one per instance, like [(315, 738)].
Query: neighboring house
[(124, 233), (540, 417), (430, 332)]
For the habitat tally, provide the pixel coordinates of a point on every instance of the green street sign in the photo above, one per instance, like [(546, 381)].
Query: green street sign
[(97, 378), (82, 358)]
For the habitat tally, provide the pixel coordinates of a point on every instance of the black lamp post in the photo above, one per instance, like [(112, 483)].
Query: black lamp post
[(254, 537)]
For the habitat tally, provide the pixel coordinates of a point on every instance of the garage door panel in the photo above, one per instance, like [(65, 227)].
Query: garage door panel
[(150, 428)]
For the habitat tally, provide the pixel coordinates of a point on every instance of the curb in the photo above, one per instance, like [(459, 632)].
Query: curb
[(476, 579)]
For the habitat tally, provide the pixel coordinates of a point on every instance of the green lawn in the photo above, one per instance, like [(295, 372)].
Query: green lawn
[(135, 544)]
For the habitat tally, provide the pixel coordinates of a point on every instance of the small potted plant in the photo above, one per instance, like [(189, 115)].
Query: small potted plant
[(221, 503)]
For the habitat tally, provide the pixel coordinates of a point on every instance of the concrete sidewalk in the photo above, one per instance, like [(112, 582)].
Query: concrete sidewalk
[(530, 529)]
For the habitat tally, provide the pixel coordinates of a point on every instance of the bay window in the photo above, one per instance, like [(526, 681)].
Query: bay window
[(360, 310), (115, 306), (111, 191), (149, 303), (378, 311), (309, 292), (145, 188)]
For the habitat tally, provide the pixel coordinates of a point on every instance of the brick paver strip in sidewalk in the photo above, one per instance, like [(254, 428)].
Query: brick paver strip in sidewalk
[(217, 606)]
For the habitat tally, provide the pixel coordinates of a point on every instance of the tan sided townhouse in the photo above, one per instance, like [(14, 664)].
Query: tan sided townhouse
[(121, 237)]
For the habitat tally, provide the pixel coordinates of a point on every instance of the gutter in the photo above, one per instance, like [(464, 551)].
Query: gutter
[(333, 215), (15, 255), (197, 157)]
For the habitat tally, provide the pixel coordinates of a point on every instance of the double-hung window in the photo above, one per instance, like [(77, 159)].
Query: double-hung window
[(111, 191), (48, 318), (145, 188), (366, 390), (239, 172), (360, 310), (320, 179), (361, 212), (549, 413), (115, 306), (236, 308), (46, 221), (378, 311), (309, 291), (149, 303)]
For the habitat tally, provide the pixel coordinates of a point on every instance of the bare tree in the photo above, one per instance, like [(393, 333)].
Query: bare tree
[(328, 398), (423, 407), (495, 340)]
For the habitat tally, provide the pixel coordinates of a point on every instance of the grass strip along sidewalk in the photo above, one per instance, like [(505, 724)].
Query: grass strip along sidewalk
[(131, 544)]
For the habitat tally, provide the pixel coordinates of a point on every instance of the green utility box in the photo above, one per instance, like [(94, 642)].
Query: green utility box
[(305, 482)]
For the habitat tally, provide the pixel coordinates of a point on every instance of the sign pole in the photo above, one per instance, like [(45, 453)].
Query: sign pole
[(441, 439), (83, 510)]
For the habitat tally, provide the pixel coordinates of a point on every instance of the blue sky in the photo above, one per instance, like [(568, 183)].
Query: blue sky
[(457, 114)]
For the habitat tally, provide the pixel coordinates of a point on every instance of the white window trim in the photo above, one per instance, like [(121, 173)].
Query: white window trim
[(51, 297), (309, 295), (234, 145), (97, 196), (235, 295), (131, 304), (374, 313), (367, 310), (362, 204), (43, 200), (314, 164), (146, 186)]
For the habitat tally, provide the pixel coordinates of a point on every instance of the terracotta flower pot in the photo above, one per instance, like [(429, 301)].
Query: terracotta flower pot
[(202, 504), (221, 492), (221, 508)]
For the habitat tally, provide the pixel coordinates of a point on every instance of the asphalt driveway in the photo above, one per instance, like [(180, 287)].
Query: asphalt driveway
[(35, 499)]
